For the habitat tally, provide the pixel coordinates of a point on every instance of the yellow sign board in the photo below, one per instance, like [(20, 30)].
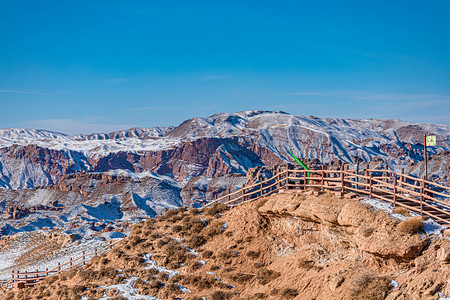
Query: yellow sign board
[(431, 140)]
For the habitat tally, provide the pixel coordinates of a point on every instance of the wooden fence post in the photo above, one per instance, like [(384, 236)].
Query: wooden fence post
[(46, 272), (278, 180), (386, 177), (367, 174), (402, 178), (370, 185), (70, 263), (26, 276), (421, 196), (12, 276), (110, 244), (229, 192), (59, 268), (286, 180), (95, 251), (262, 188), (395, 190), (84, 258), (342, 179), (322, 181), (243, 193)]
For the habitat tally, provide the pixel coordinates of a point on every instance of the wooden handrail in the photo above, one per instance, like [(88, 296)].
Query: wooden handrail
[(363, 182), (40, 275)]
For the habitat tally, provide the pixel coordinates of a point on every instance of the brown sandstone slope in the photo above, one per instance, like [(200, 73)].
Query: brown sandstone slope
[(288, 246)]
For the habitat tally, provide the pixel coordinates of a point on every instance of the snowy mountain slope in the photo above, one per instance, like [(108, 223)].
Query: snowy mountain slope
[(213, 146)]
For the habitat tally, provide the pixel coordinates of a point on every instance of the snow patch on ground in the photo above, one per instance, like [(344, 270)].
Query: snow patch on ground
[(151, 264), (127, 290), (431, 227)]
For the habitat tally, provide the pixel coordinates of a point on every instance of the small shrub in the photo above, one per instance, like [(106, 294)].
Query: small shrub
[(172, 288), (288, 293), (229, 233), (104, 261), (265, 276), (216, 208), (155, 235), (401, 211), (193, 224), (177, 228), (213, 229), (196, 241), (134, 240), (196, 265), (253, 254), (367, 231), (226, 254), (368, 287), (411, 225), (305, 263), (78, 289), (214, 268), (241, 277), (160, 243), (220, 295), (202, 283), (207, 254)]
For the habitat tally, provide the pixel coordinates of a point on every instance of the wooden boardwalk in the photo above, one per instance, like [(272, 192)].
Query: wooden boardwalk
[(28, 279), (427, 198)]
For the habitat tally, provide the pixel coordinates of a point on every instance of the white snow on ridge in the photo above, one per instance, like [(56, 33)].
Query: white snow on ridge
[(145, 174), (281, 127)]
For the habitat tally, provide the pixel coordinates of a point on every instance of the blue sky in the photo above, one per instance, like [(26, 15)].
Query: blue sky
[(96, 66)]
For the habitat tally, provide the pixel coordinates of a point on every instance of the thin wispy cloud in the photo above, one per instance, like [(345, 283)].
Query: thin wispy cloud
[(28, 92), (73, 127), (361, 95), (156, 108)]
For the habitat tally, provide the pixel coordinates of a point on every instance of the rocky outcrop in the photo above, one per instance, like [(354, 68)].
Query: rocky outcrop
[(368, 230)]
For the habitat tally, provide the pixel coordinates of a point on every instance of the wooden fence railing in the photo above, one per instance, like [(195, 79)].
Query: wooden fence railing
[(29, 279), (422, 196)]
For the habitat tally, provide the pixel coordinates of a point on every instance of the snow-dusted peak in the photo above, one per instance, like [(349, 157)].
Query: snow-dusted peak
[(139, 133), (19, 133)]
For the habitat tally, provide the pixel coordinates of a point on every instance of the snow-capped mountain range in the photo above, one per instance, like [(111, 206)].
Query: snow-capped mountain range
[(213, 146)]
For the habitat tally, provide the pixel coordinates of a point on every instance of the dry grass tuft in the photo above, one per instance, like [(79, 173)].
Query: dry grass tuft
[(227, 254), (369, 287), (200, 282), (253, 254), (207, 254), (241, 278), (265, 276), (196, 241), (367, 231), (216, 208), (220, 295), (305, 263), (213, 229), (288, 293), (193, 224), (411, 225), (401, 211)]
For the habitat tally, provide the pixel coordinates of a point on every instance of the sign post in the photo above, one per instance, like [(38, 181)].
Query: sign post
[(427, 141)]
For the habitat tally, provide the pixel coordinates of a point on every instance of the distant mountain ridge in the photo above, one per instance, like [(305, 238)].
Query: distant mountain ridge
[(217, 145)]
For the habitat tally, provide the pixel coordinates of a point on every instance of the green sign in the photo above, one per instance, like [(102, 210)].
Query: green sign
[(431, 140)]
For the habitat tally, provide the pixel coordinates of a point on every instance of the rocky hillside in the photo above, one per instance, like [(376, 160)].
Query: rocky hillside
[(218, 145), (287, 246)]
